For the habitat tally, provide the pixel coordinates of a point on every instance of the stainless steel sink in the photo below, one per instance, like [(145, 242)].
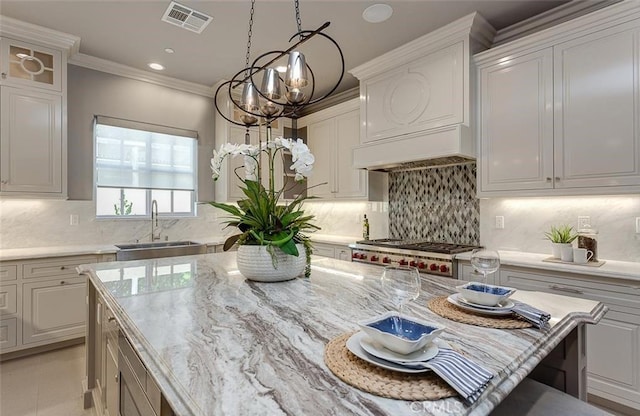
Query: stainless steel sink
[(141, 251)]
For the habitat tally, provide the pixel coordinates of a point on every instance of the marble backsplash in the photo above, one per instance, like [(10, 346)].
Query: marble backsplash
[(526, 220)]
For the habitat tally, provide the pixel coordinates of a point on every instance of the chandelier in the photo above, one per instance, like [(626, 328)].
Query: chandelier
[(278, 95)]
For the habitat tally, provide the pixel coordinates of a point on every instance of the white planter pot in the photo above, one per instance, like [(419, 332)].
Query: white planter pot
[(556, 249), (255, 263)]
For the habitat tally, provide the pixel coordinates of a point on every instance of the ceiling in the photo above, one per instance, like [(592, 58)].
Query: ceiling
[(130, 32)]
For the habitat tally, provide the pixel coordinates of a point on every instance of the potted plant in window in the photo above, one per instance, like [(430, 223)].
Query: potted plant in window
[(271, 243), (560, 236)]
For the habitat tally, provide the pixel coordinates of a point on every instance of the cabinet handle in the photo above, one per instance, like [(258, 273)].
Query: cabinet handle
[(548, 179), (117, 378), (557, 178), (63, 282), (566, 289), (62, 267), (111, 318), (4, 75), (4, 181)]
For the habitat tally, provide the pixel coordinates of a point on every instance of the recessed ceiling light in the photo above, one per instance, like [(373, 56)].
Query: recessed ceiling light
[(377, 13), (156, 66), (169, 50)]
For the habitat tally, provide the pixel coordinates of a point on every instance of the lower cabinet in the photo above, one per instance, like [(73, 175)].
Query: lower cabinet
[(332, 250), (42, 301), (53, 310), (613, 345)]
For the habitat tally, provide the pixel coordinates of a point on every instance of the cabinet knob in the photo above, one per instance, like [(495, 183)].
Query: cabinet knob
[(557, 178), (548, 179), (62, 267), (117, 378), (111, 318), (4, 75), (4, 181), (63, 282)]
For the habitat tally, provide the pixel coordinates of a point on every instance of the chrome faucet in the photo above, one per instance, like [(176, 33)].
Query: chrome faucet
[(154, 221)]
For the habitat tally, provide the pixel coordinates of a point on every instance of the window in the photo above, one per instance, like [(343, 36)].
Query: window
[(137, 163)]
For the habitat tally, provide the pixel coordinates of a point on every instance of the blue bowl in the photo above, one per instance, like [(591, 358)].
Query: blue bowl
[(385, 330), (487, 295)]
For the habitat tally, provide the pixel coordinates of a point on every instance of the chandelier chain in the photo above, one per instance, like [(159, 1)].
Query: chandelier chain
[(298, 18), (246, 65)]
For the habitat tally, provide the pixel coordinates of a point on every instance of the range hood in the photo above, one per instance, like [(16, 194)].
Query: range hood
[(415, 101), (444, 146)]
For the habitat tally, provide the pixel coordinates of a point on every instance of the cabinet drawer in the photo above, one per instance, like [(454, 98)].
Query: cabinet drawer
[(323, 250), (56, 268), (54, 310), (8, 334), (580, 286), (8, 299), (8, 272)]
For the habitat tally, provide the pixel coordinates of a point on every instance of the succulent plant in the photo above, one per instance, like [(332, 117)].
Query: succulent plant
[(562, 234)]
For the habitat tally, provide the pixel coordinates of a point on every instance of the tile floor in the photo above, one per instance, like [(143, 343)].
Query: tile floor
[(47, 384)]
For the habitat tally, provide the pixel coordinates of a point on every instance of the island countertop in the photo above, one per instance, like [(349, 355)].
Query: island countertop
[(217, 344)]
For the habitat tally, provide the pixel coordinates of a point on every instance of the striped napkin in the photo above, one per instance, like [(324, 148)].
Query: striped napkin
[(466, 377), (540, 319)]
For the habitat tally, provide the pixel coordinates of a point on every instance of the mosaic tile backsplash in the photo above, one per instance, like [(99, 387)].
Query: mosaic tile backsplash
[(437, 204)]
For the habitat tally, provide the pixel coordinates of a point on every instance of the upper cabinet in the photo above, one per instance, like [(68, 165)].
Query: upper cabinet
[(33, 106), (332, 135), (558, 111)]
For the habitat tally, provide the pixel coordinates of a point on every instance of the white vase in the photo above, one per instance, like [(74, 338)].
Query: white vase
[(556, 249), (255, 263)]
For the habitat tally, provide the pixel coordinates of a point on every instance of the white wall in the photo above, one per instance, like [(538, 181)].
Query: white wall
[(526, 219)]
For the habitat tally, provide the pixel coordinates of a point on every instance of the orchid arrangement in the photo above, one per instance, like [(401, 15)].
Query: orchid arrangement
[(259, 217)]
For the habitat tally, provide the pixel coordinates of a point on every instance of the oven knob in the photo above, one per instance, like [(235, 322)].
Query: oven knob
[(433, 267), (374, 258), (363, 256), (403, 262), (444, 268), (355, 256), (413, 263), (422, 265), (386, 260)]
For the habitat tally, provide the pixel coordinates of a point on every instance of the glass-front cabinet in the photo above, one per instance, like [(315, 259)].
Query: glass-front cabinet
[(25, 65)]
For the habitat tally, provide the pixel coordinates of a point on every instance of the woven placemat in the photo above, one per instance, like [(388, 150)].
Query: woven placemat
[(444, 308), (375, 380)]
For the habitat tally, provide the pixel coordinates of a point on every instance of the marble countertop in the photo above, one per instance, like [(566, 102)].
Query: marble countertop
[(611, 268), (218, 344), (333, 239)]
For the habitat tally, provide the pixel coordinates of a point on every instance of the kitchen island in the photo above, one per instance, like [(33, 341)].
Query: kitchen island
[(216, 344)]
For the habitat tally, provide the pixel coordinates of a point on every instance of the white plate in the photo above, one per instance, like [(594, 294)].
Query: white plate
[(453, 299), (505, 304), (377, 350), (353, 345)]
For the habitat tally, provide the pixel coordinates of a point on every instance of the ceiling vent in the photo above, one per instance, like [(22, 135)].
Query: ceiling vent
[(186, 17)]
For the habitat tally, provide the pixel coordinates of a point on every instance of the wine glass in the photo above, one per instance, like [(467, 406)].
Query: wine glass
[(485, 261), (402, 284)]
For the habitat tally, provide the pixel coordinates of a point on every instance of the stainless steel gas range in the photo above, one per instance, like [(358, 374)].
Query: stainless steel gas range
[(428, 257)]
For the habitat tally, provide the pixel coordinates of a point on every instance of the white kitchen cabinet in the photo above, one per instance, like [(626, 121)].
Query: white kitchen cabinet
[(558, 111), (613, 345), (468, 273), (332, 135), (53, 310), (337, 251), (33, 143), (42, 301)]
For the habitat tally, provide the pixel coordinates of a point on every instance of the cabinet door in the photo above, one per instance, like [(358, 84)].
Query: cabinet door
[(321, 141), (324, 250), (25, 65), (597, 117), (516, 135), (112, 378), (350, 182), (343, 254), (53, 310), (31, 142), (613, 357)]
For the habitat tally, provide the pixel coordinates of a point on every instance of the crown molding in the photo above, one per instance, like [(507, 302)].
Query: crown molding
[(615, 14), (472, 25), (550, 18), (110, 67), (334, 111), (28, 32)]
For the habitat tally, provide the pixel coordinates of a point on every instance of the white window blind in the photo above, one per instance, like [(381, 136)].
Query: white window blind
[(138, 155)]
